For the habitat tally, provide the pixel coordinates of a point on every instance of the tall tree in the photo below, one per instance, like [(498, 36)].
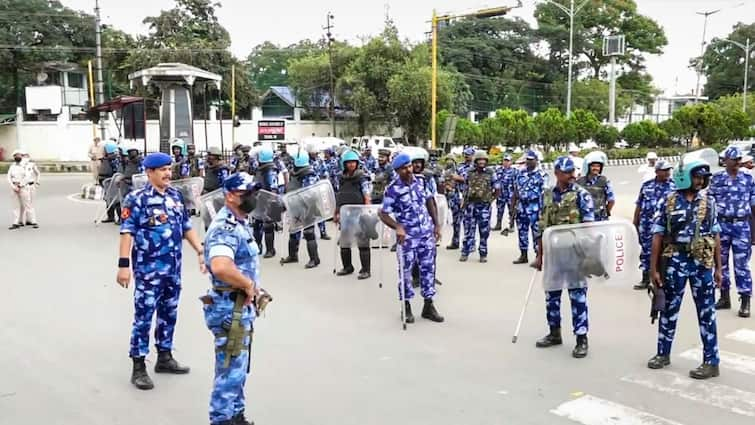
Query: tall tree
[(723, 63), (551, 128), (268, 63)]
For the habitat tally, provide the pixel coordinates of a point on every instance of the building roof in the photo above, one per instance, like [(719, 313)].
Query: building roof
[(175, 72), (118, 103), (320, 98)]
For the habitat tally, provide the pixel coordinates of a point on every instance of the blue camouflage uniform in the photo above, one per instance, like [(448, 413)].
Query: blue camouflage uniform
[(408, 204), (369, 163), (734, 200), (321, 172), (577, 290), (267, 177), (477, 216), (454, 203), (505, 178), (601, 212), (681, 266), (651, 194), (308, 180), (333, 171), (157, 222), (528, 186), (229, 236)]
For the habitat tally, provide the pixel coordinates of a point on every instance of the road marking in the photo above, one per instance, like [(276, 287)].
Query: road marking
[(76, 197), (738, 362), (589, 410), (743, 335), (721, 396)]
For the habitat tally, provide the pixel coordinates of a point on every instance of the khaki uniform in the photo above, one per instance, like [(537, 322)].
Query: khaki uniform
[(21, 194), (96, 153)]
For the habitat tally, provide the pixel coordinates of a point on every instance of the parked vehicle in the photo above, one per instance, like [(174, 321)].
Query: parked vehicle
[(374, 143)]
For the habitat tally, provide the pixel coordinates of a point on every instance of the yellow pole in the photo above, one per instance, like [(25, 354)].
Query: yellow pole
[(434, 96), (91, 96), (233, 103)]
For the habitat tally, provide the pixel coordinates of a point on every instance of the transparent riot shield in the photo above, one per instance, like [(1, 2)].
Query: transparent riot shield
[(209, 205), (442, 205), (269, 207), (138, 181), (309, 205), (111, 194), (191, 189), (574, 254), (360, 226), (709, 155)]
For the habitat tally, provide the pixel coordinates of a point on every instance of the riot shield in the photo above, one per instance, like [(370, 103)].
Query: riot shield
[(191, 189), (111, 194), (309, 205), (138, 181), (708, 155), (442, 205), (268, 207), (606, 251), (360, 226), (209, 205)]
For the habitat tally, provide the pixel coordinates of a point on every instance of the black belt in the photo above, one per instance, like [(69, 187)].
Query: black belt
[(733, 219)]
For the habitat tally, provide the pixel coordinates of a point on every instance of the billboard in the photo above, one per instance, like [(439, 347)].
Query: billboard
[(271, 130)]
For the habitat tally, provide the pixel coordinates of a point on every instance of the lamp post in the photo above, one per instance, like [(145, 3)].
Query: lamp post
[(436, 19), (706, 14), (747, 48)]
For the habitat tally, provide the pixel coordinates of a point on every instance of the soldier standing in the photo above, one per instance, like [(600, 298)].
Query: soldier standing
[(454, 202), (194, 162), (652, 193), (384, 175), (216, 171), (566, 203), (154, 221), (528, 191), (370, 164), (506, 174), (686, 238), (481, 190), (417, 228), (267, 177), (353, 189), (303, 176), (598, 185), (734, 192), (179, 170), (233, 263)]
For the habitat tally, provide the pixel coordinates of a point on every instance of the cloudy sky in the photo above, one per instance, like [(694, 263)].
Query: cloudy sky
[(251, 22)]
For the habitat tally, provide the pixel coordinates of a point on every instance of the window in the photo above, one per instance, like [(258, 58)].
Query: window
[(75, 80)]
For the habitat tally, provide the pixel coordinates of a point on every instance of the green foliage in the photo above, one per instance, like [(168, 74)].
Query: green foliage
[(467, 133), (268, 63), (607, 136), (733, 103), (508, 127), (551, 128), (703, 120), (644, 133), (583, 125), (723, 63)]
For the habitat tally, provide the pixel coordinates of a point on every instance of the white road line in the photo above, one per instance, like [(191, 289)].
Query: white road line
[(721, 396), (589, 410), (76, 197), (743, 335), (738, 362)]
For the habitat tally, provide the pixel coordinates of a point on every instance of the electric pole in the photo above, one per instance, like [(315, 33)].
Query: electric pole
[(332, 105), (706, 14), (98, 63)]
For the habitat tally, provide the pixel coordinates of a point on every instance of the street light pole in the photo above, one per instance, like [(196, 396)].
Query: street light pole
[(706, 14), (747, 48)]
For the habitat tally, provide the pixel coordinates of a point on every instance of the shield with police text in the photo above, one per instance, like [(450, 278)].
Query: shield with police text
[(361, 226), (309, 205), (606, 251)]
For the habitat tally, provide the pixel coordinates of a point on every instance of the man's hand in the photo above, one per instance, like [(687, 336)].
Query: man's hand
[(657, 280), (436, 233), (124, 276), (251, 292), (400, 234), (717, 278), (202, 266), (538, 263)]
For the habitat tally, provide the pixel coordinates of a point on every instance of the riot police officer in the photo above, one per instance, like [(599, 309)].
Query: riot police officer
[(193, 162), (598, 185), (528, 191), (480, 192), (302, 176), (384, 175), (178, 169), (505, 174), (267, 177), (216, 171), (454, 202), (353, 189)]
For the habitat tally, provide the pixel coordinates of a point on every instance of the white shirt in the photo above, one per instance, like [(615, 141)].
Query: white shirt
[(32, 172), (648, 172), (16, 175)]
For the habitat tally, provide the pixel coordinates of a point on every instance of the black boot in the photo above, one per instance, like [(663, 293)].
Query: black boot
[(314, 257), (364, 259), (293, 252), (269, 244), (505, 232), (724, 302), (430, 313), (744, 306), (497, 226), (167, 364), (659, 362), (580, 350), (522, 258), (139, 376), (240, 420), (415, 276), (348, 268), (704, 371), (553, 338), (325, 237), (644, 283), (408, 316)]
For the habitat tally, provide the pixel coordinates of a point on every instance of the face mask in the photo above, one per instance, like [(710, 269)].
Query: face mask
[(18, 160), (248, 202)]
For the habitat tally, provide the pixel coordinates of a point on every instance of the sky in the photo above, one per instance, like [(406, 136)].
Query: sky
[(251, 22)]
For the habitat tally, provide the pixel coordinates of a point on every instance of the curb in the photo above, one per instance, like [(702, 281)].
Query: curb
[(620, 162)]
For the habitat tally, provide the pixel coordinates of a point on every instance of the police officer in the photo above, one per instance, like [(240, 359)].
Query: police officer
[(505, 175), (193, 162), (481, 190), (216, 171), (236, 156), (318, 167), (598, 185), (647, 170), (303, 176), (417, 228), (133, 164), (384, 175), (154, 221), (368, 161), (454, 201), (686, 238), (528, 191), (110, 165), (651, 194), (179, 170), (331, 167), (32, 182), (354, 189), (17, 179), (233, 263), (566, 203), (734, 192), (267, 177)]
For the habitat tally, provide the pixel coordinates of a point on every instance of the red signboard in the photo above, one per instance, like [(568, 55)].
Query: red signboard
[(271, 130)]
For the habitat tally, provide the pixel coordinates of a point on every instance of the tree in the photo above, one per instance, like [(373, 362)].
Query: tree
[(703, 120), (509, 127), (584, 124), (607, 136), (644, 133), (268, 63), (592, 95), (596, 19), (551, 127), (673, 129), (723, 63), (731, 103), (467, 133)]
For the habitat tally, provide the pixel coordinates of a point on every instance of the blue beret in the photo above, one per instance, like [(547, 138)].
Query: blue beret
[(400, 160), (157, 160), (530, 155), (564, 164), (732, 152), (240, 182)]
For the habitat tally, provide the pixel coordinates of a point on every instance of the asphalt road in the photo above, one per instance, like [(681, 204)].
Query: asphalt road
[(330, 351)]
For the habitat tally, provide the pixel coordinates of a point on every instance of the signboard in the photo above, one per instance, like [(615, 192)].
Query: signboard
[(271, 130)]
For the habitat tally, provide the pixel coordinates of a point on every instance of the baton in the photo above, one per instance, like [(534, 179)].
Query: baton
[(524, 308)]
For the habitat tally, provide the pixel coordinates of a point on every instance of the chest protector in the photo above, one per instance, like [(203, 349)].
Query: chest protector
[(130, 168), (261, 176), (564, 212), (106, 168), (480, 186), (295, 182), (212, 178), (350, 190), (597, 192), (380, 182)]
